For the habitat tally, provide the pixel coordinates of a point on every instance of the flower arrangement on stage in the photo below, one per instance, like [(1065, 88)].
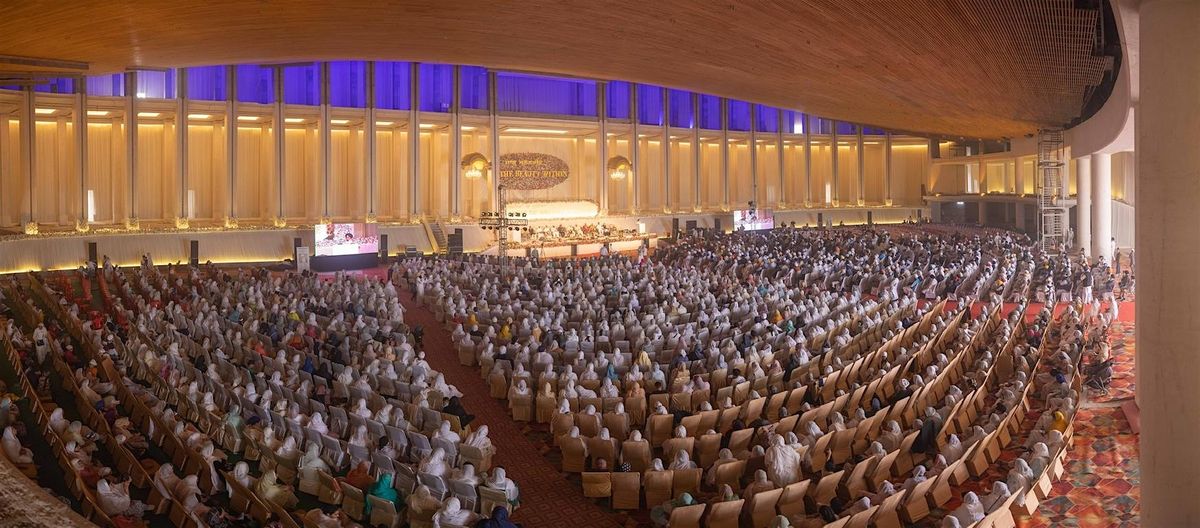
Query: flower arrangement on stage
[(532, 171)]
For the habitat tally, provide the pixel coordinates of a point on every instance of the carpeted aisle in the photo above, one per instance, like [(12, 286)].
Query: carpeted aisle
[(548, 499)]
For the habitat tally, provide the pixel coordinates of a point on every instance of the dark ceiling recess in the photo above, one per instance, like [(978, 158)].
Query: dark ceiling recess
[(1108, 45), (957, 68)]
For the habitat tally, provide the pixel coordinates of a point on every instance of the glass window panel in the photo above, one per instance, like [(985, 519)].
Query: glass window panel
[(536, 94), (650, 105), (474, 81), (347, 84), (392, 85), (435, 87), (302, 84), (255, 84), (793, 122), (681, 109), (106, 85), (710, 112), (847, 128), (618, 100), (739, 115), (206, 83)]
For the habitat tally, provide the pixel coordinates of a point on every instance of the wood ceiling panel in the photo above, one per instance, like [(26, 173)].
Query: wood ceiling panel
[(982, 68)]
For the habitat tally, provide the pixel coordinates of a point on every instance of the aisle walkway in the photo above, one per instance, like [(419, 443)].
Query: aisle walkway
[(1102, 482), (548, 499)]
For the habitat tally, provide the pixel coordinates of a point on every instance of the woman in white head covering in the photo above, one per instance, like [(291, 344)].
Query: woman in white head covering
[(452, 514), (761, 483), (682, 461), (971, 511), (311, 460), (57, 422), (782, 463), (361, 408), (114, 499), (435, 463), (918, 476), (187, 492), (1038, 458), (13, 449), (165, 476), (317, 423), (269, 488), (444, 432), (725, 456), (996, 498), (876, 449), (885, 490), (500, 481), (479, 438), (954, 449), (892, 436), (421, 501), (241, 473), (359, 438), (466, 474)]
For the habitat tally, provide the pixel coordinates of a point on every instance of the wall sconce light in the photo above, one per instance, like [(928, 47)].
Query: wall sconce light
[(474, 165), (619, 167)]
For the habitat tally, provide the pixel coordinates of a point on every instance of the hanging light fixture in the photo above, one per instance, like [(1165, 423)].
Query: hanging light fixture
[(619, 167), (474, 165)]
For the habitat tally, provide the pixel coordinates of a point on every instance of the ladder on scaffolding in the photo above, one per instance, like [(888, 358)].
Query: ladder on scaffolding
[(1051, 181)]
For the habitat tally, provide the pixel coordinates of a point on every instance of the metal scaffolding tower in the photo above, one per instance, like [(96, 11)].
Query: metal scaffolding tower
[(1051, 191)]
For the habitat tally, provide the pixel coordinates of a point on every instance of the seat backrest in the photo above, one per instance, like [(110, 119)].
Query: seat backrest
[(597, 484), (724, 514), (626, 491), (686, 516), (762, 507)]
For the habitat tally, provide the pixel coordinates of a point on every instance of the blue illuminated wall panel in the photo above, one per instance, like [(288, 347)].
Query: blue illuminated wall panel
[(62, 86), (255, 84), (710, 112), (650, 105), (739, 115), (618, 99), (681, 109), (545, 95), (206, 83), (302, 84), (474, 93), (347, 84), (436, 81), (106, 85), (392, 85), (766, 119)]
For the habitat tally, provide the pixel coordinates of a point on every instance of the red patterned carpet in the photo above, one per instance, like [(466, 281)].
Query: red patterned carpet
[(548, 498), (1102, 483)]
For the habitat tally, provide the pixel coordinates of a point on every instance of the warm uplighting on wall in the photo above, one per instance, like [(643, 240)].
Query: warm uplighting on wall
[(468, 128), (535, 131), (199, 116), (427, 126), (248, 118), (156, 114), (384, 123), (619, 167), (474, 165), (44, 111), (97, 113), (293, 120), (339, 121)]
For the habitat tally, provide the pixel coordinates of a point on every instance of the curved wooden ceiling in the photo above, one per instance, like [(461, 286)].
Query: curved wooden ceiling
[(979, 68)]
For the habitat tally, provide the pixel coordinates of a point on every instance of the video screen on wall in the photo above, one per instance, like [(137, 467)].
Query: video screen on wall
[(753, 219), (345, 239)]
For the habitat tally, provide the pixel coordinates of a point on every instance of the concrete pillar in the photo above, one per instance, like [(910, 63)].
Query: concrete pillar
[(1102, 206), (1168, 254), (1083, 205)]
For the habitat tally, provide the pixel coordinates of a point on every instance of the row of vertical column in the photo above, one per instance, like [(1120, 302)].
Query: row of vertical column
[(1093, 205)]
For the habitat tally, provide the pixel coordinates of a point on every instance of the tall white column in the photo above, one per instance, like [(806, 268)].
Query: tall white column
[(1168, 254), (371, 134), (634, 144), (602, 142), (29, 149), (456, 143), (833, 161), (666, 150), (326, 141), (231, 148), (181, 145), (81, 151), (280, 124), (414, 139), (724, 154), (131, 141), (807, 161), (1083, 204), (1102, 206)]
